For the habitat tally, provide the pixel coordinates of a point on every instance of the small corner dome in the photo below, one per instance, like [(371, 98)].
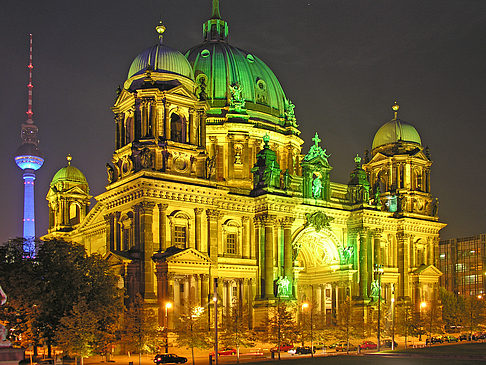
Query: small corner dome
[(161, 58), (396, 131), (69, 174)]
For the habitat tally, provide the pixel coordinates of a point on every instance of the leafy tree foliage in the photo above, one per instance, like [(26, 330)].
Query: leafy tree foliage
[(282, 326), (51, 286), (192, 331), (140, 334)]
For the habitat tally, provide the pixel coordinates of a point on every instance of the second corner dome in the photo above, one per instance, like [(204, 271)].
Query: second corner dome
[(161, 58), (396, 131)]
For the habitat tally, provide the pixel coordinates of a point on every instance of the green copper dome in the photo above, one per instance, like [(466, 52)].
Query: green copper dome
[(395, 131), (69, 174), (222, 66), (161, 58), (220, 69)]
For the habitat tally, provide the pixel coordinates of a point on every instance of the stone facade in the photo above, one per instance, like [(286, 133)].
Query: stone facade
[(202, 189)]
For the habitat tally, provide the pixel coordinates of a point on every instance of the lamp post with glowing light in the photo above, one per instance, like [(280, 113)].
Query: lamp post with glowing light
[(168, 306), (422, 306), (305, 305), (379, 271)]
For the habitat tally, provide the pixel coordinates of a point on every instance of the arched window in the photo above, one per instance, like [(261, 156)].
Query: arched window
[(74, 216), (177, 128), (179, 223), (232, 234)]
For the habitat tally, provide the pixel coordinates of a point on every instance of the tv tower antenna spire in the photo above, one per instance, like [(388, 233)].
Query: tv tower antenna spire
[(29, 159)]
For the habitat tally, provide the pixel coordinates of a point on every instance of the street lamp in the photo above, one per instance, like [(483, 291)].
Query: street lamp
[(393, 323), (422, 306), (305, 305), (379, 271), (168, 306)]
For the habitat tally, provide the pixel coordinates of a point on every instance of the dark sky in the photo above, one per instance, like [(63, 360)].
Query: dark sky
[(342, 63)]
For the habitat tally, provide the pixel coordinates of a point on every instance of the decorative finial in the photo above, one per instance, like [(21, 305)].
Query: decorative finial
[(266, 139), (357, 160), (69, 158), (216, 14), (30, 113), (395, 108), (160, 29), (316, 139)]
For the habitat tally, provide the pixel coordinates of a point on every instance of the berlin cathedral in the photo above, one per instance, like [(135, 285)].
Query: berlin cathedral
[(209, 184)]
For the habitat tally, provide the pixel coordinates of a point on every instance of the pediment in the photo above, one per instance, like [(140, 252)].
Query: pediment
[(427, 271), (377, 158), (114, 260), (123, 97), (180, 90), (189, 255)]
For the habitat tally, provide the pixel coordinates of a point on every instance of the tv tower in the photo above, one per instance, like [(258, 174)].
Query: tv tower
[(29, 159)]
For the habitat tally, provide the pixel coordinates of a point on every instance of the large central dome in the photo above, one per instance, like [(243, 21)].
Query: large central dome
[(219, 66)]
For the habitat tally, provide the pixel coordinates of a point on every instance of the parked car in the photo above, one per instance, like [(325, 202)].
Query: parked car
[(388, 344), (48, 361), (433, 340), (333, 345), (449, 338), (169, 359), (225, 351), (301, 350), (343, 346), (464, 337), (368, 345), (283, 348)]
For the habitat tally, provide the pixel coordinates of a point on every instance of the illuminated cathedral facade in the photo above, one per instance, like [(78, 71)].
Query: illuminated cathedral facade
[(209, 181)]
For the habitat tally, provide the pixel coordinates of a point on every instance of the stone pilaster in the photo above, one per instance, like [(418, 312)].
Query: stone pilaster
[(146, 210), (198, 229), (363, 264), (214, 216), (269, 224), (403, 241), (162, 226)]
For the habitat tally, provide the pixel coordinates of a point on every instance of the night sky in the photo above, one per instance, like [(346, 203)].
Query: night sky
[(341, 62)]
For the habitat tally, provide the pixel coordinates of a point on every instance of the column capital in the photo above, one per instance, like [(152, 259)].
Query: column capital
[(268, 220), (286, 222), (377, 232), (145, 207), (214, 214), (403, 235), (245, 219), (198, 211), (162, 207)]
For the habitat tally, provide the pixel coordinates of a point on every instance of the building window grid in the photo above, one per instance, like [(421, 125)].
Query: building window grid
[(180, 236), (231, 243)]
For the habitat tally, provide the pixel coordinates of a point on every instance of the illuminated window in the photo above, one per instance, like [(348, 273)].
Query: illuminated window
[(177, 128), (231, 241), (180, 236)]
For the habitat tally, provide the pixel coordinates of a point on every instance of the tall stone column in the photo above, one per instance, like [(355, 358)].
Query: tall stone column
[(377, 246), (204, 289), (198, 230), (403, 264), (363, 264), (269, 224), (259, 256), (214, 217), (162, 226), (287, 261), (109, 232), (245, 222), (146, 248), (162, 291)]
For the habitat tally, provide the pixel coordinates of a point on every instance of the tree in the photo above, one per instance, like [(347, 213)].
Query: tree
[(140, 328), (350, 320), (76, 332), (282, 327), (192, 329), (404, 320), (44, 289), (452, 308), (235, 331), (473, 314)]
